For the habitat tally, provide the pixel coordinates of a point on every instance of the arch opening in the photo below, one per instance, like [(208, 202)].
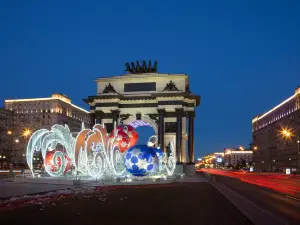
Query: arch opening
[(145, 128)]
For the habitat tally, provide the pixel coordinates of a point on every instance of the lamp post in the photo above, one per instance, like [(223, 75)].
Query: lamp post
[(10, 141), (26, 134), (287, 134), (15, 138), (254, 156), (17, 141)]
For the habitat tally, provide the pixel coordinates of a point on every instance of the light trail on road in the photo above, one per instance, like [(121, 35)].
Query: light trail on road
[(288, 184)]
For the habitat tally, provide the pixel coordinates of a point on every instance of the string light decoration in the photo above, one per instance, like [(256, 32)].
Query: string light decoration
[(93, 153)]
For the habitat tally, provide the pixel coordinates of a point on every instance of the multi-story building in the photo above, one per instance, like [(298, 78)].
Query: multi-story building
[(29, 115), (212, 160), (234, 156), (6, 123), (276, 136), (219, 158)]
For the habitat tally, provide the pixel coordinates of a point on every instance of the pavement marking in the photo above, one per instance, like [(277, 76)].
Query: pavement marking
[(297, 199), (257, 215)]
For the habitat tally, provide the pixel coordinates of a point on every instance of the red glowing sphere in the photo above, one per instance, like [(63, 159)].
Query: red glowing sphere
[(131, 132), (49, 161), (122, 140)]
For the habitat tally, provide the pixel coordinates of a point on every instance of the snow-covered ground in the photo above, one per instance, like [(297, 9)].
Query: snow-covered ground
[(9, 188), (18, 186)]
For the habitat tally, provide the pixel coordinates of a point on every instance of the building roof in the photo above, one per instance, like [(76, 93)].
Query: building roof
[(297, 92), (141, 75), (55, 96)]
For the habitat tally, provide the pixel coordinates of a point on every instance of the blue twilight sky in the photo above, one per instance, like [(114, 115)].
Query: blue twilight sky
[(242, 56)]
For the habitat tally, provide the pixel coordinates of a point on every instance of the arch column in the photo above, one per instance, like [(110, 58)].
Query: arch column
[(98, 116), (93, 120), (115, 116), (179, 115), (191, 116), (161, 128)]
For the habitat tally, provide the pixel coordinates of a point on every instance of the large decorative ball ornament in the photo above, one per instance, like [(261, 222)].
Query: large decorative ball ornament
[(158, 152), (122, 140), (131, 132), (49, 161), (140, 160)]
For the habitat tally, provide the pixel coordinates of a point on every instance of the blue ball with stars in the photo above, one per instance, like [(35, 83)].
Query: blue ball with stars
[(141, 160), (158, 152)]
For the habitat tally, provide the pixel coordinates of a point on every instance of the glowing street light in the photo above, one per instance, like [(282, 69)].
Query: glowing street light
[(255, 148), (26, 133), (17, 141), (9, 132), (286, 133), (242, 148)]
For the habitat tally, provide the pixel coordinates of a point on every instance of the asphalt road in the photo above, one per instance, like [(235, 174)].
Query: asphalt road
[(282, 205), (179, 203), (288, 184)]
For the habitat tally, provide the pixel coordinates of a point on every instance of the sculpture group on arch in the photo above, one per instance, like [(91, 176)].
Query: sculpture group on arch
[(94, 153)]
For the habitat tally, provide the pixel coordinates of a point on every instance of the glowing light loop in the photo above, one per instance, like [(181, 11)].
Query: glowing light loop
[(92, 153)]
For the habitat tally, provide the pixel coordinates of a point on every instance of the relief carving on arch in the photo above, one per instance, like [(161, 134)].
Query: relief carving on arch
[(154, 117), (171, 86)]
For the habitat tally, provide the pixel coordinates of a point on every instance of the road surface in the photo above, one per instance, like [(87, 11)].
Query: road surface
[(282, 203)]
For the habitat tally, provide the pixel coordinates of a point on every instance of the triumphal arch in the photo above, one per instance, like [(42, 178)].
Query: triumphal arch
[(143, 97)]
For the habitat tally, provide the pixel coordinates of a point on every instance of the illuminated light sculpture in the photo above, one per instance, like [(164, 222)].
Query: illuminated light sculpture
[(96, 154), (44, 140), (139, 123), (141, 160), (152, 141), (55, 165), (122, 140), (158, 152), (131, 132), (93, 153)]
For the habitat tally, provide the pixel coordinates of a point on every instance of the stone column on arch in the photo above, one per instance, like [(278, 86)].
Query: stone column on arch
[(99, 116), (92, 120), (161, 128), (115, 116), (191, 116), (179, 114)]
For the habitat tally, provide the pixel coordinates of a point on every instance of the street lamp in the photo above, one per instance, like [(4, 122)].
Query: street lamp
[(17, 141), (26, 133), (287, 134), (9, 132)]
